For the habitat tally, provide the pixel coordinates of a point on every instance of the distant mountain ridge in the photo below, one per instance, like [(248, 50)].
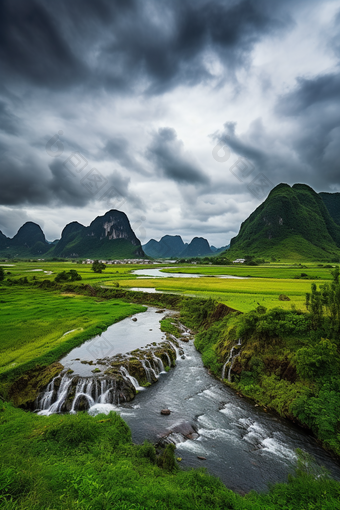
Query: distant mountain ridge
[(174, 247), (107, 237), (167, 247), (293, 222)]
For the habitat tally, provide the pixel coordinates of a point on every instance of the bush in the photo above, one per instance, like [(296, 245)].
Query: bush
[(68, 276)]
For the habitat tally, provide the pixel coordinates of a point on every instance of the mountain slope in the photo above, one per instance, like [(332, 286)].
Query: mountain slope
[(332, 202), (108, 236), (28, 241), (293, 222)]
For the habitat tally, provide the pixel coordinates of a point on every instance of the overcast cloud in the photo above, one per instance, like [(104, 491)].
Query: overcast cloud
[(120, 104)]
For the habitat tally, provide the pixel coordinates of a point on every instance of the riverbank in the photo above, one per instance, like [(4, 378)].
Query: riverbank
[(80, 461), (76, 462)]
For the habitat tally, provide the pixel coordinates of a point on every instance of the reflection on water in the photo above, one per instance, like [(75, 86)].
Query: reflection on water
[(157, 273)]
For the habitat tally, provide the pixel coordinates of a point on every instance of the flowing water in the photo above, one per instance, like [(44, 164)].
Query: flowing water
[(124, 336), (157, 273), (242, 445)]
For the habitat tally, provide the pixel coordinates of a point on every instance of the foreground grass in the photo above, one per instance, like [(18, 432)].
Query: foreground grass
[(89, 463), (39, 326)]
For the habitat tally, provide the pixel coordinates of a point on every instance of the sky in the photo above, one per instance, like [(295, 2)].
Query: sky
[(184, 114)]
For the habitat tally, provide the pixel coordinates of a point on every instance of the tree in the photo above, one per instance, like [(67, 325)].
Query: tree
[(326, 299), (98, 267), (66, 276), (2, 274)]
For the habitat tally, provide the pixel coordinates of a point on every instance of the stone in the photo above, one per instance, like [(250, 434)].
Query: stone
[(165, 412), (201, 458)]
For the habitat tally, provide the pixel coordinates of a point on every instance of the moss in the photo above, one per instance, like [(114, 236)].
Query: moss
[(25, 390)]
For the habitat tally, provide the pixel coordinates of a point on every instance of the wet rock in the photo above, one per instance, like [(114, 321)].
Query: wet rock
[(184, 339), (82, 403), (134, 319), (165, 412), (187, 429), (201, 458), (25, 390), (160, 311)]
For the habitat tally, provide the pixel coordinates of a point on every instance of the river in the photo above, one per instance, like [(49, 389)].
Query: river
[(244, 446)]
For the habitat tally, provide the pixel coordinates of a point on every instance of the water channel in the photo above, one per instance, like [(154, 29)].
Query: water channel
[(244, 446)]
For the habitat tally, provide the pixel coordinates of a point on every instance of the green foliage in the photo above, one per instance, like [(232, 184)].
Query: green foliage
[(68, 276), (167, 459), (319, 360), (324, 305), (98, 267), (168, 326)]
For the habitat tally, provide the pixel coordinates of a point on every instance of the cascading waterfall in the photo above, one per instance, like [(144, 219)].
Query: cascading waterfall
[(88, 391), (149, 371), (132, 379), (159, 362), (173, 346), (45, 403), (231, 360), (69, 392), (168, 358)]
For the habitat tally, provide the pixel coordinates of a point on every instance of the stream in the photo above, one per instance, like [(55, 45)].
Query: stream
[(244, 446), (158, 273)]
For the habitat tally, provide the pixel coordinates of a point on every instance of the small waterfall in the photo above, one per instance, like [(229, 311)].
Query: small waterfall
[(159, 362), (231, 359), (186, 331), (154, 371), (46, 399), (173, 346), (46, 405), (169, 360), (232, 364), (87, 392), (132, 379), (149, 371)]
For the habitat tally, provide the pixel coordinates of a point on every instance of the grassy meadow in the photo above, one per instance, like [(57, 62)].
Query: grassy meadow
[(39, 326), (243, 295), (262, 284)]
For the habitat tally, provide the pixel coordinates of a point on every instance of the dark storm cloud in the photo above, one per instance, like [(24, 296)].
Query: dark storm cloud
[(9, 123), (26, 181), (170, 160), (119, 149), (32, 46), (321, 90), (315, 107), (115, 43)]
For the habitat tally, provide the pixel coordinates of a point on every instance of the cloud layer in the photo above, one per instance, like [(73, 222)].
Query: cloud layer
[(120, 104)]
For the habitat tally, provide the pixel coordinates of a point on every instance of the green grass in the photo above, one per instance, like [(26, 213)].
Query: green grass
[(241, 295), (34, 324), (89, 463), (277, 271)]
